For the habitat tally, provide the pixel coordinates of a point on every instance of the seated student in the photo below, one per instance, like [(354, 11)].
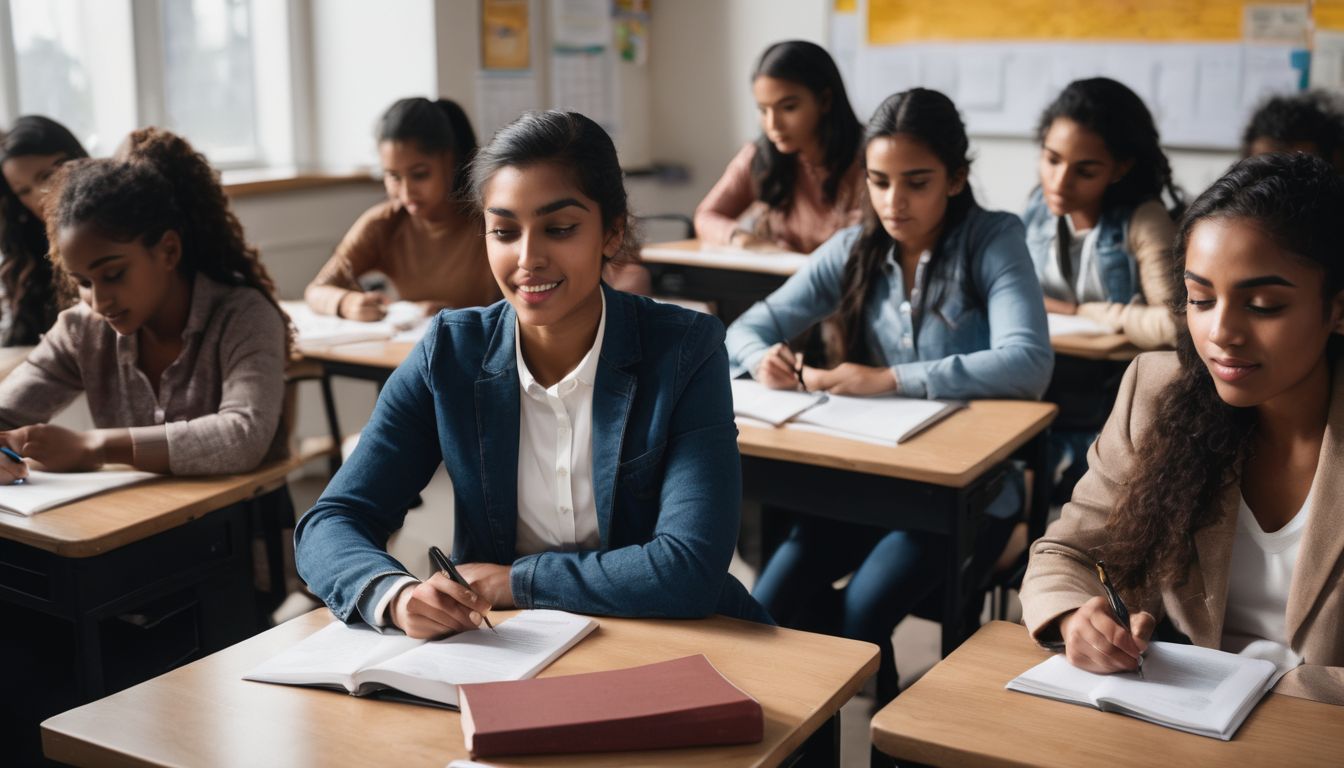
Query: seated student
[(30, 153), (588, 433), (800, 181), (1309, 122), (937, 298), (178, 343), (1096, 225), (1213, 493), (425, 238)]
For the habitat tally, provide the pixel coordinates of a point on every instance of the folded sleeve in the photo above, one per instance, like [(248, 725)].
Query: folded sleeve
[(716, 216)]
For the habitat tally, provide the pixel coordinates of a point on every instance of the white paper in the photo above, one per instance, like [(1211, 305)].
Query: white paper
[(754, 400), (580, 23), (320, 331), (1276, 23), (1073, 325), (42, 491), (886, 420), (1327, 59)]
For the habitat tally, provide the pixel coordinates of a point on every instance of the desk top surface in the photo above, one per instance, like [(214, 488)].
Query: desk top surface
[(369, 354), (205, 714), (1109, 346), (122, 516), (953, 452), (691, 253), (960, 714)]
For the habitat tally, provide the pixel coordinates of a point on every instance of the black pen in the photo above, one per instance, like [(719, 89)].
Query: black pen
[(14, 457), (797, 357), (1117, 605), (442, 562)]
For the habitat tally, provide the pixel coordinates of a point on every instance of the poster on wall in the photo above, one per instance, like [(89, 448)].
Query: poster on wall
[(506, 39)]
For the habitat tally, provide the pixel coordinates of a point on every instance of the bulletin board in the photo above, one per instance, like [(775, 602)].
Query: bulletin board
[(1201, 66)]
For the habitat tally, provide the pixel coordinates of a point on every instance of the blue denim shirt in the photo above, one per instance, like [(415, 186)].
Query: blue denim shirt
[(997, 346), (666, 472), (1118, 269)]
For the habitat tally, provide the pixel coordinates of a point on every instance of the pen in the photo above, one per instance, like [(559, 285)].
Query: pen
[(779, 329), (14, 457), (442, 562), (1117, 605)]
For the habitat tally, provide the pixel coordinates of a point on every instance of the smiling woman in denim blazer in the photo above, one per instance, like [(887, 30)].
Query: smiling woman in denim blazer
[(589, 433), (936, 298)]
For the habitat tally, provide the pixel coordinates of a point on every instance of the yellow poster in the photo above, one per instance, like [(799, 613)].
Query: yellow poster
[(1328, 15), (904, 21), (505, 34), (846, 6)]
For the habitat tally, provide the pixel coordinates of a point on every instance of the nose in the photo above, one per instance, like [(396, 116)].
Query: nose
[(102, 300), (772, 122), (1226, 328), (531, 252)]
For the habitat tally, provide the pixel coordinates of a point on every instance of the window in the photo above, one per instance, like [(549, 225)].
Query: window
[(209, 89)]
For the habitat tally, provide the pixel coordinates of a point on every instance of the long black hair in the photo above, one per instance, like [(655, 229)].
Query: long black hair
[(773, 173), (25, 273), (931, 118), (575, 143), (1115, 113), (1197, 443), (433, 126)]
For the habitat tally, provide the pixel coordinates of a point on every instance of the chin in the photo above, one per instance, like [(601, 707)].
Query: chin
[(1237, 397)]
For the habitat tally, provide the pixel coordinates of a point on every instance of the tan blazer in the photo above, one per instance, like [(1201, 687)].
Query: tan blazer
[(1060, 576)]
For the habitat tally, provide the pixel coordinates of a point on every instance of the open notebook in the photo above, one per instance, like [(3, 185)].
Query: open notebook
[(363, 662), (405, 321), (880, 420), (47, 490), (1197, 690), (1073, 325)]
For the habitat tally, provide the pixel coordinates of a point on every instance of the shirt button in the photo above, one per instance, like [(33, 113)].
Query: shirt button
[(565, 510), (561, 471)]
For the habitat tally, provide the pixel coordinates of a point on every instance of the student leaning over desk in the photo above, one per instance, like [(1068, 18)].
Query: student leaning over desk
[(1214, 493), (937, 298), (800, 181), (179, 343), (588, 433)]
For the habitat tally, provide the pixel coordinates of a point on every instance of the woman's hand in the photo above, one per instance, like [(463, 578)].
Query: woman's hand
[(1095, 642), (747, 240), (56, 449), (364, 307), (436, 608), (490, 581), (850, 379), (779, 368), (1058, 307), (10, 470)]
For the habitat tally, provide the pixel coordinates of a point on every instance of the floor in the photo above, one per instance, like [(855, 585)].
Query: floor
[(916, 640)]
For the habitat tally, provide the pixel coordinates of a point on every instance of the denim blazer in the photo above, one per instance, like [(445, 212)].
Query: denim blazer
[(1118, 269), (666, 471), (992, 344)]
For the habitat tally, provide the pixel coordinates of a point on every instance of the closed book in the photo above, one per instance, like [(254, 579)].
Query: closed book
[(680, 703)]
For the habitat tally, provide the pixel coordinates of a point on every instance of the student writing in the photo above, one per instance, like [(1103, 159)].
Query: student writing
[(1213, 493), (800, 181), (425, 238), (588, 433), (30, 153), (178, 343), (937, 298)]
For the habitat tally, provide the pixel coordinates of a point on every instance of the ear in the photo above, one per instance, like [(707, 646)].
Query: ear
[(1121, 170), (169, 250), (612, 245), (958, 182)]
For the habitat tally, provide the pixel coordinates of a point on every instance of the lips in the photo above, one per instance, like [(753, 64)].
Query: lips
[(1231, 369), (535, 293)]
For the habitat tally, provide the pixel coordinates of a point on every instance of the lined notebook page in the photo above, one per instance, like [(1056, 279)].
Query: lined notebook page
[(47, 490)]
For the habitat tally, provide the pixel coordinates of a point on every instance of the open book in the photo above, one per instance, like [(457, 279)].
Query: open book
[(360, 660), (880, 420), (45, 490), (405, 321), (1197, 690)]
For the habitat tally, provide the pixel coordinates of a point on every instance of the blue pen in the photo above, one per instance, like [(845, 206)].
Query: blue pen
[(14, 457)]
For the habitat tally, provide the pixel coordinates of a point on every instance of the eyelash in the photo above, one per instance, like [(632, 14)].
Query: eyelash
[(557, 232), (1263, 311)]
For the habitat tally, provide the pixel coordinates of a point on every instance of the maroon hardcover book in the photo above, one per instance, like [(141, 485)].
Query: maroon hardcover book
[(680, 703)]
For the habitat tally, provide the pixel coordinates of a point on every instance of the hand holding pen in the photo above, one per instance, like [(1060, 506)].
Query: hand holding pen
[(13, 469), (1102, 637), (446, 567), (437, 606), (782, 367)]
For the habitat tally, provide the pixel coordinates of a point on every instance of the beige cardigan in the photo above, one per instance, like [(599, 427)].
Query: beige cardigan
[(1149, 325), (1059, 578)]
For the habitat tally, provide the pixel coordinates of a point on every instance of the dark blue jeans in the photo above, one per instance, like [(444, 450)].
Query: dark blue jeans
[(893, 572)]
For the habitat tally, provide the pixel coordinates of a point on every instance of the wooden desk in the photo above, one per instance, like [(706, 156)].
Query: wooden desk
[(960, 714), (1111, 347), (373, 360), (205, 714), (10, 357), (939, 481), (180, 540), (732, 278)]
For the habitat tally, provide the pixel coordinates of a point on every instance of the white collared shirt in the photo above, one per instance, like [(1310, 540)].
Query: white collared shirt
[(557, 510)]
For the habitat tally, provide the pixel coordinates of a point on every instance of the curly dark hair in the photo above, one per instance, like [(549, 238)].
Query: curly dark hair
[(26, 279), (1111, 110), (1198, 442), (157, 182), (1313, 117)]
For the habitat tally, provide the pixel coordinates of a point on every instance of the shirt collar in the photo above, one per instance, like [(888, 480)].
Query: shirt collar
[(585, 372)]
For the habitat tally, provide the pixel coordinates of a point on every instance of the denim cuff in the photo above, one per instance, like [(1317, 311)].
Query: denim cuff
[(912, 379), (520, 580)]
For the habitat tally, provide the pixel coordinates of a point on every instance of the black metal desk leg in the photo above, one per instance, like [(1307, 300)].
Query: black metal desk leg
[(329, 403), (961, 543)]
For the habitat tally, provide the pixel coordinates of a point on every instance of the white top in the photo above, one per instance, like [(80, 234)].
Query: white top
[(1083, 256), (556, 506), (1261, 575)]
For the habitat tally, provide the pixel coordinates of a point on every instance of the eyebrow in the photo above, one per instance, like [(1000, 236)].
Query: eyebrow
[(1253, 282), (548, 208), (1088, 161)]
